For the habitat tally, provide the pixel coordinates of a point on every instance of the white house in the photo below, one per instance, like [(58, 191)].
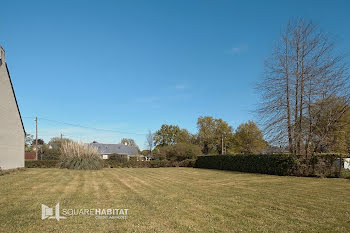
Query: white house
[(346, 163), (12, 133)]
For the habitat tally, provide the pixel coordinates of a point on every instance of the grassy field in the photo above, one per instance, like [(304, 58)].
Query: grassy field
[(174, 200)]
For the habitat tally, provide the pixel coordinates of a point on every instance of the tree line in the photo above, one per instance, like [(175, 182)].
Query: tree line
[(214, 136)]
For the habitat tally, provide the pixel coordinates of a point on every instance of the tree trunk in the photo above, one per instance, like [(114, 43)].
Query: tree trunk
[(301, 76), (296, 134), (290, 139)]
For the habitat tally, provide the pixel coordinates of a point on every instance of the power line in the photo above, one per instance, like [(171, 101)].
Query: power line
[(87, 127)]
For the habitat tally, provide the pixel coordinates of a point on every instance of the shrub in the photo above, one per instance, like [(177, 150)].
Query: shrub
[(345, 174), (159, 152), (111, 163), (133, 159), (178, 152), (182, 151), (265, 164), (42, 164), (164, 163), (10, 171), (50, 154), (119, 158), (80, 156), (149, 164), (187, 163), (320, 165)]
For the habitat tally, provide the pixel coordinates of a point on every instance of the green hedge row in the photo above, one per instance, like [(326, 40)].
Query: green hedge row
[(42, 164), (266, 164), (321, 166), (116, 164), (150, 164)]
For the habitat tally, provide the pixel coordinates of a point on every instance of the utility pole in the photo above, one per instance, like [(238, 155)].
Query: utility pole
[(36, 138), (222, 144)]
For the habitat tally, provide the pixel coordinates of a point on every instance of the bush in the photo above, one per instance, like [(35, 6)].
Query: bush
[(10, 171), (345, 174), (178, 152), (265, 164), (159, 153), (149, 164), (320, 165), (164, 163), (133, 159), (187, 163), (50, 154), (116, 164), (119, 158), (131, 164), (80, 156), (42, 164)]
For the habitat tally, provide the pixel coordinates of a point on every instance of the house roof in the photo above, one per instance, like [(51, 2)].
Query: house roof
[(274, 149), (115, 149), (14, 94)]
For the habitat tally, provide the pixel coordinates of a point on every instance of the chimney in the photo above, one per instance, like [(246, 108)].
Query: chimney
[(2, 55)]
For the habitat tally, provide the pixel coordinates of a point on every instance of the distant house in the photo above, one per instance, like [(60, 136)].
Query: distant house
[(275, 150), (108, 149), (12, 133)]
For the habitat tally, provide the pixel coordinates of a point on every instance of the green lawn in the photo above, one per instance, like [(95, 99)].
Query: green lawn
[(174, 200)]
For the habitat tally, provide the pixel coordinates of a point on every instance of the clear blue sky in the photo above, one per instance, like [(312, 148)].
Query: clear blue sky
[(131, 66)]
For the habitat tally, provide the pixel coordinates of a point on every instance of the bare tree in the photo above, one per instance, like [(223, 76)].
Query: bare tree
[(149, 140), (303, 71), (275, 109)]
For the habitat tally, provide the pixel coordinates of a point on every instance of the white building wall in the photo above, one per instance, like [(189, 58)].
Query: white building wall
[(11, 131), (347, 163)]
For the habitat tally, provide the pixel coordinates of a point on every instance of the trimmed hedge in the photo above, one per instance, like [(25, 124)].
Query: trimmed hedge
[(325, 165), (50, 154), (266, 164), (116, 164), (320, 165), (42, 164), (149, 164)]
